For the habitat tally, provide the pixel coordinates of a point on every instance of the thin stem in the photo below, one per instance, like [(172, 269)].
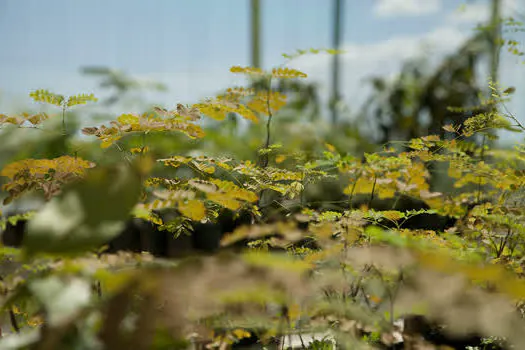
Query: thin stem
[(482, 156), (304, 182), (372, 193), (268, 131), (121, 150), (64, 131), (352, 192), (511, 116), (264, 157), (398, 196), (504, 242), (143, 143), (12, 319)]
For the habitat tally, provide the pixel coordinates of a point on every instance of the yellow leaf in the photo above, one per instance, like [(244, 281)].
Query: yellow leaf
[(106, 143), (280, 158), (135, 150), (224, 200), (241, 333), (449, 128), (375, 299), (363, 185), (193, 209), (392, 215), (330, 147), (294, 311), (128, 119)]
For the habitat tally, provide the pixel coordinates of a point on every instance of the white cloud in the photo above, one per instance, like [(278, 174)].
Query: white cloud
[(394, 8), (479, 11), (383, 59), (470, 13)]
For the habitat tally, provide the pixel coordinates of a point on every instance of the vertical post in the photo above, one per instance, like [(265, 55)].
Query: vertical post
[(495, 27), (255, 14), (336, 44), (495, 48)]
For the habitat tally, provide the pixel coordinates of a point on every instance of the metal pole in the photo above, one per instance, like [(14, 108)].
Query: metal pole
[(255, 12), (495, 48), (336, 43), (495, 25)]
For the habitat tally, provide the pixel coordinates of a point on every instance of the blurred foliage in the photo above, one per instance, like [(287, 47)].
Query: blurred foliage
[(123, 85), (349, 267), (397, 107)]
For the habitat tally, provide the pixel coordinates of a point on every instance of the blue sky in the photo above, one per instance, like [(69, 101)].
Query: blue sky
[(140, 35), (190, 44)]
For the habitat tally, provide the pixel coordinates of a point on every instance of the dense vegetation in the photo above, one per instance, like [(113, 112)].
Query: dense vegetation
[(135, 245)]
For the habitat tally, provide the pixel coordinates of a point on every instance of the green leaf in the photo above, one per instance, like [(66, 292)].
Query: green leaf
[(47, 97), (87, 215)]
